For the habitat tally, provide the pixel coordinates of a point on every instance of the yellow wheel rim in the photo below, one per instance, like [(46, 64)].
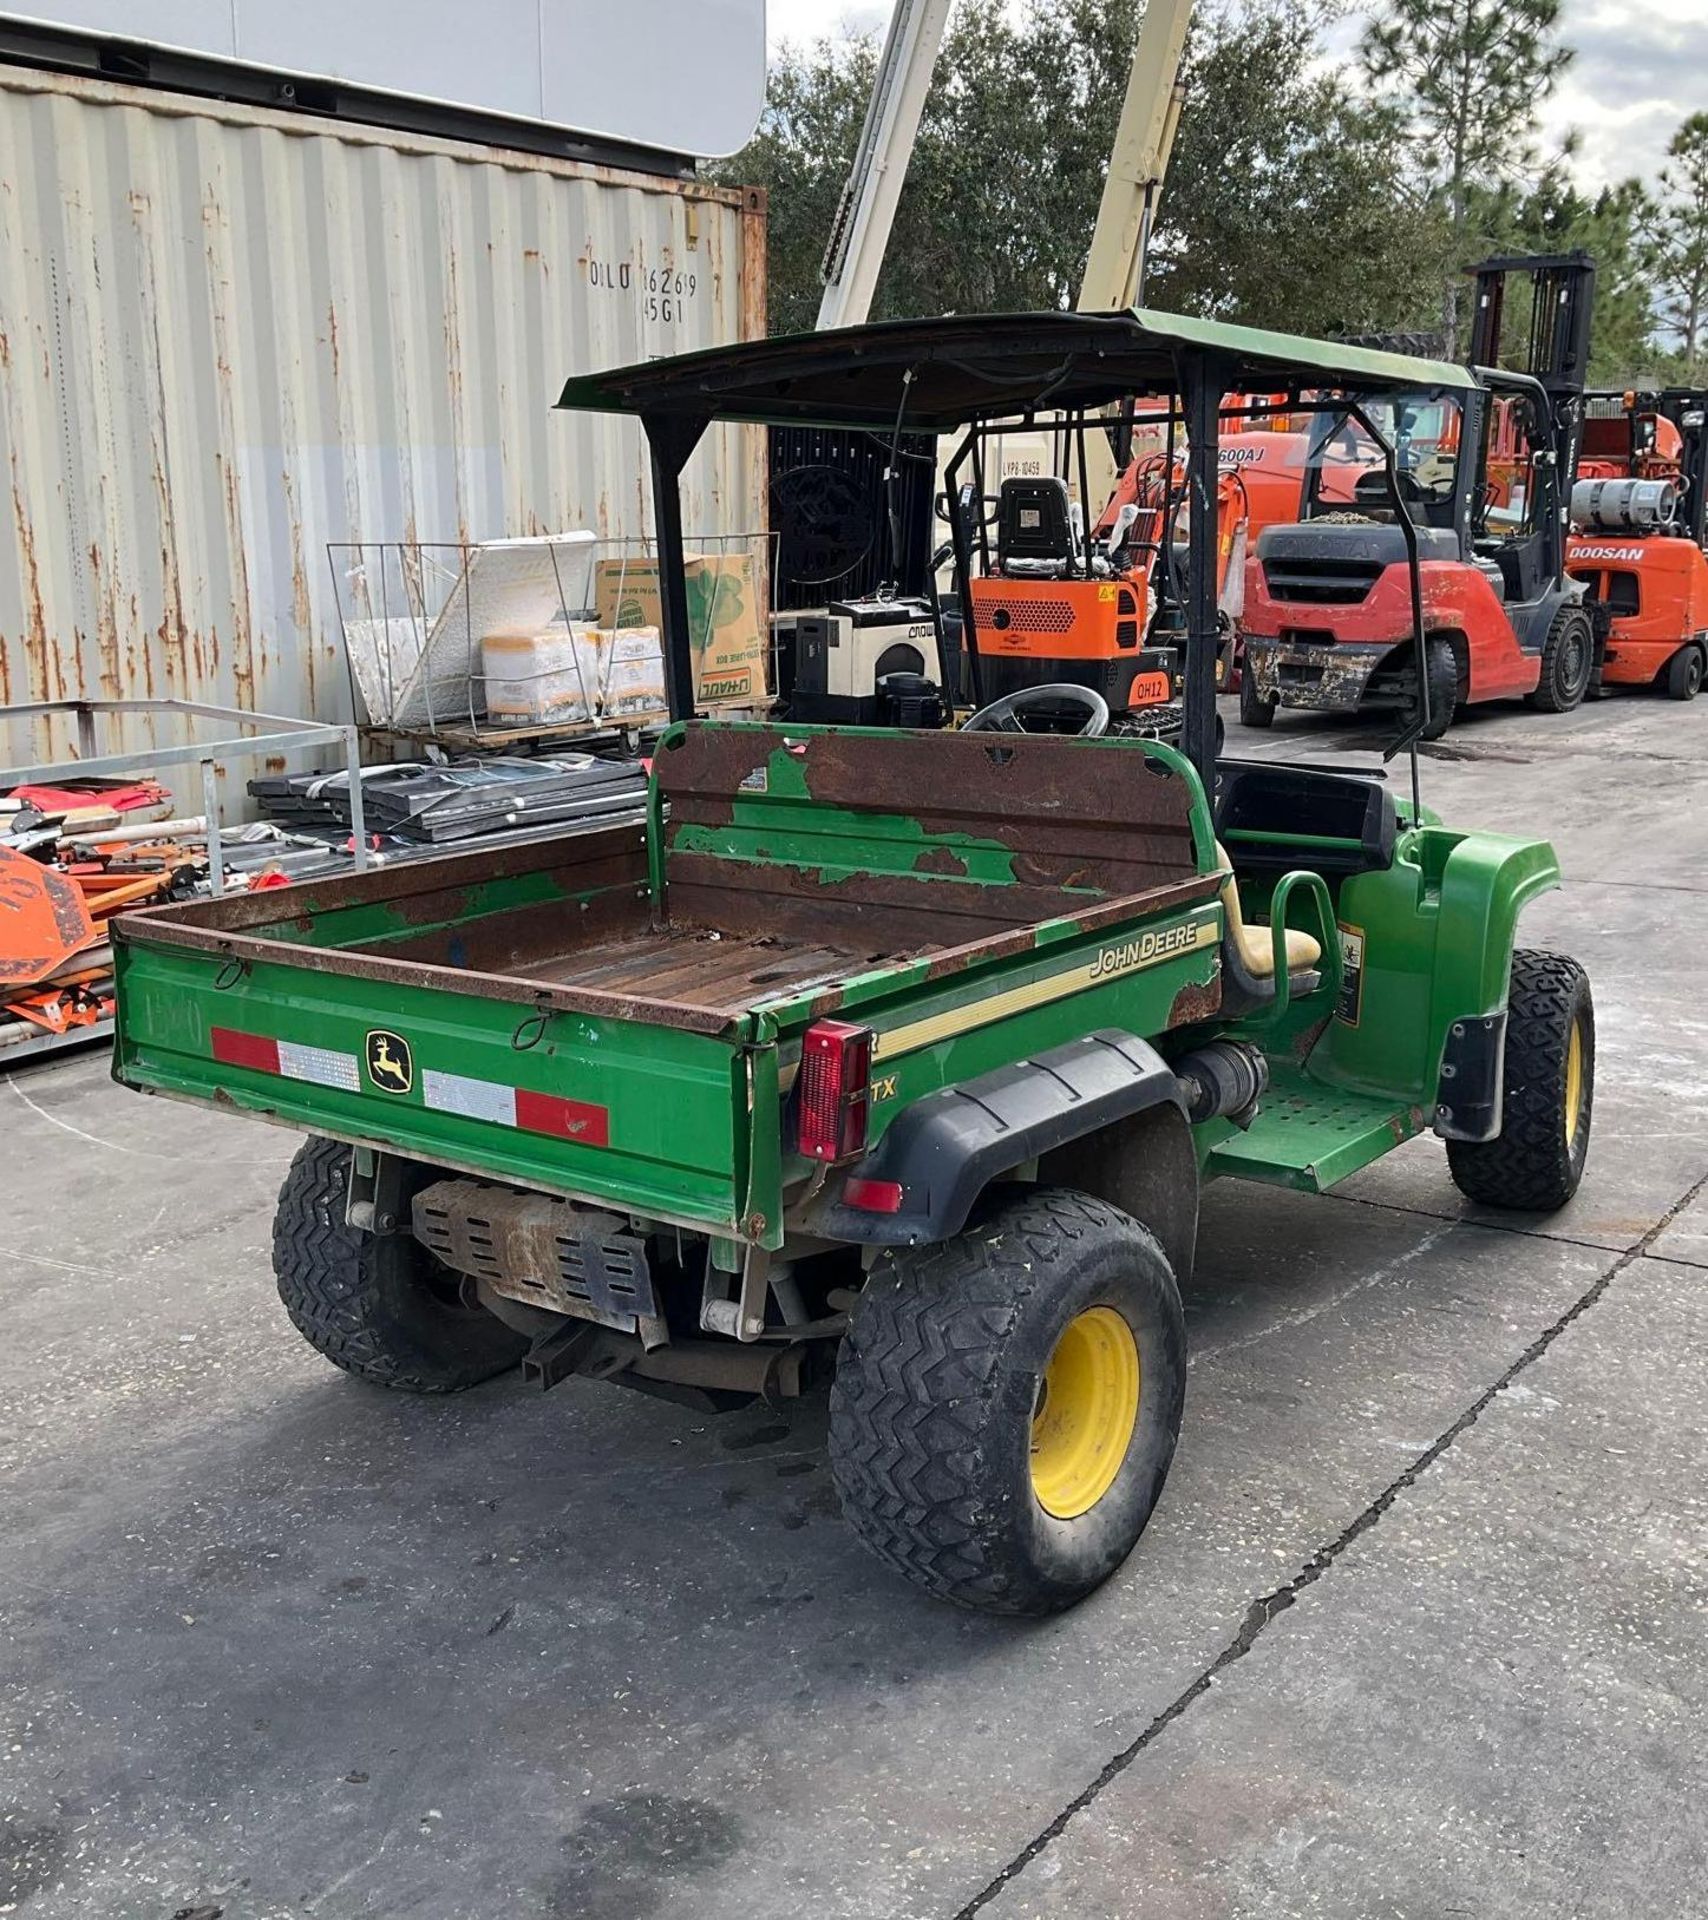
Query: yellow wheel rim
[(1088, 1402), (1574, 1083)]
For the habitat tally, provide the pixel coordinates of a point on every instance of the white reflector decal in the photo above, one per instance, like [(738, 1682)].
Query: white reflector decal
[(319, 1064), (477, 1099)]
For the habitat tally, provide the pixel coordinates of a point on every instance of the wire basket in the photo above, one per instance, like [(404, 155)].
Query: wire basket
[(491, 642)]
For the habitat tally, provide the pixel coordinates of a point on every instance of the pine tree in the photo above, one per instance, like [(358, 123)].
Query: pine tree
[(1469, 77), (1681, 243)]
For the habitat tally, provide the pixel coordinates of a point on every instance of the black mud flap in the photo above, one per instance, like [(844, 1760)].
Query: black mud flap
[(940, 1155), (1468, 1097)]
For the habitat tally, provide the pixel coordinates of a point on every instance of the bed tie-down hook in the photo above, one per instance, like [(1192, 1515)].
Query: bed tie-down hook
[(530, 1032), (228, 976)]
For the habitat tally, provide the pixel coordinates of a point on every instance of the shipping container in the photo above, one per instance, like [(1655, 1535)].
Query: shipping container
[(229, 336)]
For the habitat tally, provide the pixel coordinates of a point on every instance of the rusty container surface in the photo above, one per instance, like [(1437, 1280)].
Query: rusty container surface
[(230, 335)]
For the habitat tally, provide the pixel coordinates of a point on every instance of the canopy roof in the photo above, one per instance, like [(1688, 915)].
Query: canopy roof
[(986, 366)]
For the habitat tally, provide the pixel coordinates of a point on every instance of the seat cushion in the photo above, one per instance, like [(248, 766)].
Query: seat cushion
[(1256, 944)]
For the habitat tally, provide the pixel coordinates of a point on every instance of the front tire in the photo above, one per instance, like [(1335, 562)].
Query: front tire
[(1254, 709), (377, 1305), (1006, 1404), (1568, 662), (1684, 673), (1535, 1162), (1443, 670)]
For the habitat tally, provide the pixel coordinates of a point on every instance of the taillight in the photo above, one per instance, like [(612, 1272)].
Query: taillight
[(831, 1090)]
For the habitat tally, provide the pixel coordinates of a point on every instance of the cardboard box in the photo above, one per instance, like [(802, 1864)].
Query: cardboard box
[(725, 625)]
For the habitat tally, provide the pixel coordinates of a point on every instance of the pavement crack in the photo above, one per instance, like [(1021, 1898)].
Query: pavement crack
[(1467, 1220), (1267, 1607)]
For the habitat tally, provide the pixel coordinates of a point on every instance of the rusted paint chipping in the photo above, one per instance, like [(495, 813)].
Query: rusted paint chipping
[(781, 925), (1196, 1002)]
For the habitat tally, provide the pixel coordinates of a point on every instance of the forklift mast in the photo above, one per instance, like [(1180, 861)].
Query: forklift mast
[(1554, 355), (1555, 350)]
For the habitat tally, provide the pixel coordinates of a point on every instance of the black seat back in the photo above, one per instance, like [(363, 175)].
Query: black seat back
[(1034, 527), (1351, 817)]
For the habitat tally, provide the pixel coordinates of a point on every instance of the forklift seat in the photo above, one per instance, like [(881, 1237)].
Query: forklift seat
[(1035, 534), (1255, 945)]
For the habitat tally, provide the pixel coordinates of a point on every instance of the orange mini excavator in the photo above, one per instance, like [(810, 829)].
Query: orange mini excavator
[(1638, 511), (1054, 609)]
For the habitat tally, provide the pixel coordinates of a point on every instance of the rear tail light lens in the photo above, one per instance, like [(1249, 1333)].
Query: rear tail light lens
[(832, 1090)]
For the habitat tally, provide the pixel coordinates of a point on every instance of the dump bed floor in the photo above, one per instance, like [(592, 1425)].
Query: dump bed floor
[(696, 966)]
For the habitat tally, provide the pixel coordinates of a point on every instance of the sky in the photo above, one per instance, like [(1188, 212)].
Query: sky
[(1638, 72)]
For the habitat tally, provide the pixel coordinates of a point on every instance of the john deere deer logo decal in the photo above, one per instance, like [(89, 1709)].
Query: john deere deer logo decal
[(389, 1065)]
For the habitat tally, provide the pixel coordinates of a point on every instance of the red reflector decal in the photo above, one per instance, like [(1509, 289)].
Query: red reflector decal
[(245, 1049), (872, 1196), (577, 1120)]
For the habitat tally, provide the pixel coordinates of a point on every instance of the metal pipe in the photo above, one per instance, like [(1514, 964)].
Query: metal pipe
[(358, 813), (210, 808), (1409, 736), (964, 566), (671, 440)]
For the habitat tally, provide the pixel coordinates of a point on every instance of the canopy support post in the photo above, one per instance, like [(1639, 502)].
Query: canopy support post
[(1203, 379), (671, 439)]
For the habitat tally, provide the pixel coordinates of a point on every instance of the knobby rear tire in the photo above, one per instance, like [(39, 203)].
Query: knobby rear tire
[(938, 1380), (379, 1306)]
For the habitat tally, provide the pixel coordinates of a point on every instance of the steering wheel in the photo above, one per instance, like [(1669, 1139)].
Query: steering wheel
[(1007, 715), (1371, 489)]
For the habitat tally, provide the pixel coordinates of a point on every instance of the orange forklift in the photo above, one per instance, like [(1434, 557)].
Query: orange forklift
[(1638, 509)]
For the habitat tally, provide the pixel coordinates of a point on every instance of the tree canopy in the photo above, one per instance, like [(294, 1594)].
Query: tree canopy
[(1302, 194)]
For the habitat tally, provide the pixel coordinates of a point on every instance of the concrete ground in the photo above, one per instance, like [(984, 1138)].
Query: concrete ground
[(1419, 1628)]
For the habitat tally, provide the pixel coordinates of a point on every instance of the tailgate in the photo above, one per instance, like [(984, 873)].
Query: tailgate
[(644, 1117)]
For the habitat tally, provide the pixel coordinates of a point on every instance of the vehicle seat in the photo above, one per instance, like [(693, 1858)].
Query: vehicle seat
[(1035, 535), (1255, 945)]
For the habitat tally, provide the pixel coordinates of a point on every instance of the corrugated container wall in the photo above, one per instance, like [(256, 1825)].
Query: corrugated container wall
[(229, 336)]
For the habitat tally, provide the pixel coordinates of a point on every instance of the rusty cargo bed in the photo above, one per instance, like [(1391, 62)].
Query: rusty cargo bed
[(777, 866), (617, 1016)]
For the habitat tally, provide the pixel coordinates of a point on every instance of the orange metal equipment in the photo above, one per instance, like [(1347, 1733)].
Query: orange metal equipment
[(1642, 558), (1054, 609), (1061, 619), (43, 920)]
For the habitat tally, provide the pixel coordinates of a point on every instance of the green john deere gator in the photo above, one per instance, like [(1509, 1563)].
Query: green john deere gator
[(894, 1057)]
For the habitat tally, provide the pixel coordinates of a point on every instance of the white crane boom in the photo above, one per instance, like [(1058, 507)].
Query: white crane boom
[(1144, 138), (864, 215)]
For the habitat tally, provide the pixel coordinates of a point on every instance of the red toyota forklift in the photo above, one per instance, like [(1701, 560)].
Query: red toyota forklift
[(1478, 498), (1639, 508)]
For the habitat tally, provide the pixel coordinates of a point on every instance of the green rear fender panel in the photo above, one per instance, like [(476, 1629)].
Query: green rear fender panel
[(1438, 929)]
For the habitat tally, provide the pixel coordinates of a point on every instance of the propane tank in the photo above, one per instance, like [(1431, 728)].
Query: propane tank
[(1624, 506)]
